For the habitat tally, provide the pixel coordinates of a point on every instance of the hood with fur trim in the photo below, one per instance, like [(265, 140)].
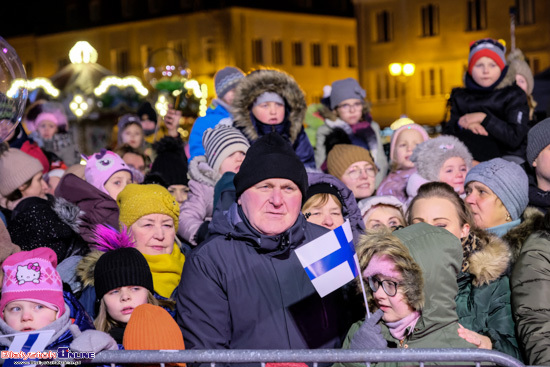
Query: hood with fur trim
[(532, 220), (86, 266), (490, 261), (268, 80)]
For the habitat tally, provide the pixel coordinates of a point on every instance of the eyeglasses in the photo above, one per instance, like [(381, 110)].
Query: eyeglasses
[(389, 286), (355, 173), (349, 107)]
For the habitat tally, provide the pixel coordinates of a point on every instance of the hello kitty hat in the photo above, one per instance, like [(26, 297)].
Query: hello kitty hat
[(32, 276)]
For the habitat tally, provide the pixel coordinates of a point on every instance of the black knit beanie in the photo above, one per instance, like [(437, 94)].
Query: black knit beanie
[(121, 268), (271, 156), (171, 161)]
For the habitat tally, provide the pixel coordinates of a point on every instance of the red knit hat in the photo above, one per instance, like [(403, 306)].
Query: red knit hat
[(487, 47), (32, 276)]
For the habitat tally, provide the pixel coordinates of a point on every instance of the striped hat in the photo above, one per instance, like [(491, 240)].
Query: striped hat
[(487, 47), (227, 79), (222, 141)]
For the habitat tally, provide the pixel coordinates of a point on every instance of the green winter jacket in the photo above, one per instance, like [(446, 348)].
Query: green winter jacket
[(439, 255), (530, 282), (483, 300)]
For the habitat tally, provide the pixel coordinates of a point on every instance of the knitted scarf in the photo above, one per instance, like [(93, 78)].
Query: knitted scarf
[(166, 270), (403, 327)]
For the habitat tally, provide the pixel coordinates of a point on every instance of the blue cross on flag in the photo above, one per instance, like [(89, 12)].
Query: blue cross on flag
[(330, 260)]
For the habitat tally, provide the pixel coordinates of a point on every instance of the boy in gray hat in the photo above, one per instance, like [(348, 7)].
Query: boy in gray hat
[(538, 157)]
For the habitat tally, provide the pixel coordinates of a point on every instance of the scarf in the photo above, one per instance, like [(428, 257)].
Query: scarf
[(403, 327), (166, 270)]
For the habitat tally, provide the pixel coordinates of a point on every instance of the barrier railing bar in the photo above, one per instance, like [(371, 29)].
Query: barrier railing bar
[(316, 355)]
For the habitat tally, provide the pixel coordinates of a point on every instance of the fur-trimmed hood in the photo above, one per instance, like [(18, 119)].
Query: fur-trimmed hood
[(532, 220), (490, 261), (269, 80), (86, 266), (200, 171)]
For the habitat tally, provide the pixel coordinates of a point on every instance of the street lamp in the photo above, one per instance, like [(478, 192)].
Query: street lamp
[(402, 72)]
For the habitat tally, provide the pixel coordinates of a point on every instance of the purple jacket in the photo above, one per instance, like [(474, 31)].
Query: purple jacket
[(395, 184)]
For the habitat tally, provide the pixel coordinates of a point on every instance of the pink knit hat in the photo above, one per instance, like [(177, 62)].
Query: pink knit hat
[(32, 276), (381, 265), (101, 166), (395, 135)]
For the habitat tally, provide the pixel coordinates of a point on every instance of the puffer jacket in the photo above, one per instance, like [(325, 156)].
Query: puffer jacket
[(62, 337), (351, 210), (217, 113), (439, 257), (530, 282), (507, 120), (98, 207), (245, 290), (199, 205), (483, 300), (374, 145), (292, 128)]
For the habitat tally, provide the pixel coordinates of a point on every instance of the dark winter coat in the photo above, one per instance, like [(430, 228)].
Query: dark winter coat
[(52, 222), (98, 207), (351, 210), (507, 120), (530, 283), (538, 198), (292, 128), (62, 337), (483, 300), (244, 290)]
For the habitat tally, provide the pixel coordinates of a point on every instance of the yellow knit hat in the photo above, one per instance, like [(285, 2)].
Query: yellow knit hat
[(344, 155), (135, 201)]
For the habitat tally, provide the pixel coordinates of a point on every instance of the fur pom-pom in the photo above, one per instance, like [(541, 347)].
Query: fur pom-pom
[(107, 238)]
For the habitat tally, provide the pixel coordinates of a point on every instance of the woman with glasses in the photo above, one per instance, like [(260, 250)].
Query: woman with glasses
[(349, 121), (411, 275), (353, 166)]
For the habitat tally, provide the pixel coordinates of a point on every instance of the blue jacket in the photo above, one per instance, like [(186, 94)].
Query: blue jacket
[(214, 114)]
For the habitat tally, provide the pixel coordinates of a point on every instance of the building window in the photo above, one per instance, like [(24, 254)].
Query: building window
[(277, 52), (181, 47), (209, 50), (257, 51), (95, 11), (534, 64), (145, 51), (297, 54), (333, 56), (525, 12), (430, 20), (120, 61), (386, 87), (384, 31), (432, 82), (154, 6), (477, 15), (316, 54), (128, 8), (351, 57)]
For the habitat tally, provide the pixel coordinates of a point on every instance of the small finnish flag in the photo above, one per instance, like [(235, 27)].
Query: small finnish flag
[(34, 341), (330, 261)]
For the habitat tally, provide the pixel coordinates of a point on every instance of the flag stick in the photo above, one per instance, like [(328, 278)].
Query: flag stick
[(363, 289)]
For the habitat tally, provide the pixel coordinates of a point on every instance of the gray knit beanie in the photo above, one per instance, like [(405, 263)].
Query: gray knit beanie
[(222, 141), (345, 89), (227, 79), (507, 180), (16, 168), (538, 138), (428, 157)]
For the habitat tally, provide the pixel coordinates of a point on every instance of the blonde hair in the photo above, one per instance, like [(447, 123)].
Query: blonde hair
[(320, 200), (104, 322)]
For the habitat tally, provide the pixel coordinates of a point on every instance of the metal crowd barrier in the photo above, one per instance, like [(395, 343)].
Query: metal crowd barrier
[(213, 357)]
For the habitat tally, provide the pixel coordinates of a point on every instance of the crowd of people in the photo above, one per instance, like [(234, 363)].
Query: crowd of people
[(157, 243)]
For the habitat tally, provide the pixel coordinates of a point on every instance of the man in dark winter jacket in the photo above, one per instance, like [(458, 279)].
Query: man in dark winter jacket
[(245, 287)]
